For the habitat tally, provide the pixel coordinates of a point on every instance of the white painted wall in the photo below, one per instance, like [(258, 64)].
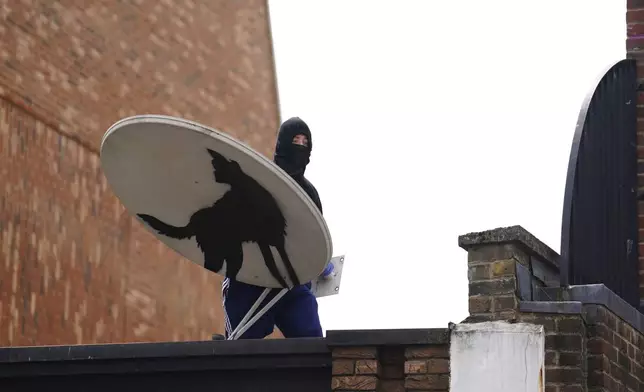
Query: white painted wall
[(497, 357)]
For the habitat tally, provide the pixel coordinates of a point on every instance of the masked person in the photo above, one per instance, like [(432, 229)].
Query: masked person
[(296, 313)]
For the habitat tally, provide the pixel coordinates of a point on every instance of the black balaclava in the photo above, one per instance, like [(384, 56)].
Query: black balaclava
[(293, 158)]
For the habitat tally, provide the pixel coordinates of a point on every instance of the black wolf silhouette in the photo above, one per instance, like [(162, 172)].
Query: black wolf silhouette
[(246, 213)]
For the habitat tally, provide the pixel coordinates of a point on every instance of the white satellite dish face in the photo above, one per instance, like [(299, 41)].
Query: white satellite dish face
[(216, 201)]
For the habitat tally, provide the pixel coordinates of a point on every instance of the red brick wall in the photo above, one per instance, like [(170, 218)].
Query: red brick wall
[(392, 368), (74, 267), (635, 48), (84, 65)]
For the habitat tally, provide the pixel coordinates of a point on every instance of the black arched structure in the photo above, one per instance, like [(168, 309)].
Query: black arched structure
[(599, 234)]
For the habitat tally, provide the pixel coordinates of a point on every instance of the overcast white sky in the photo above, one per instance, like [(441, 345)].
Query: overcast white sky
[(432, 119)]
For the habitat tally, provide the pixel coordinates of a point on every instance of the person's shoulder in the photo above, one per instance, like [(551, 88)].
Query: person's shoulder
[(310, 185), (312, 192), (307, 182)]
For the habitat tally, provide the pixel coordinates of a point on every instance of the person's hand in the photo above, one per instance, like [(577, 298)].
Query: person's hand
[(328, 271)]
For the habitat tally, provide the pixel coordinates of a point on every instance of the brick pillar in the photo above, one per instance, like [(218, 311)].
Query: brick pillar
[(492, 281), (427, 368), (404, 360), (505, 266), (355, 369), (635, 49), (507, 269)]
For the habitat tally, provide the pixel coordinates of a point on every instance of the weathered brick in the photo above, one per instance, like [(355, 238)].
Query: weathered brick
[(480, 318), (571, 388), (600, 330), (595, 378), (612, 384), (503, 268), (415, 367), (391, 355), (354, 383), (503, 303), (392, 386), (564, 342), (564, 375), (420, 352), (367, 366), (570, 359), (631, 381), (617, 372), (599, 346), (391, 372), (548, 321), (551, 358), (437, 365), (354, 352), (480, 304), (570, 325), (624, 330), (478, 272), (638, 370), (343, 366), (634, 4), (619, 343), (635, 16), (493, 287), (427, 381), (623, 360), (634, 29)]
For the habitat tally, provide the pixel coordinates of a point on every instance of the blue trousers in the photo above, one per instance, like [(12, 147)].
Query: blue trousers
[(295, 314)]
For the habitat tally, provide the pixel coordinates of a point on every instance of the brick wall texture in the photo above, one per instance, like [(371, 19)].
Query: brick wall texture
[(615, 353), (590, 351), (391, 368), (635, 49), (74, 267)]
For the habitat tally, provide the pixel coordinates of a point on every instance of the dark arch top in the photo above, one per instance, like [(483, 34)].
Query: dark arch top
[(599, 226)]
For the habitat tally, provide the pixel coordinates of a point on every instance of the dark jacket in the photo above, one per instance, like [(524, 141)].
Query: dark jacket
[(293, 158)]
